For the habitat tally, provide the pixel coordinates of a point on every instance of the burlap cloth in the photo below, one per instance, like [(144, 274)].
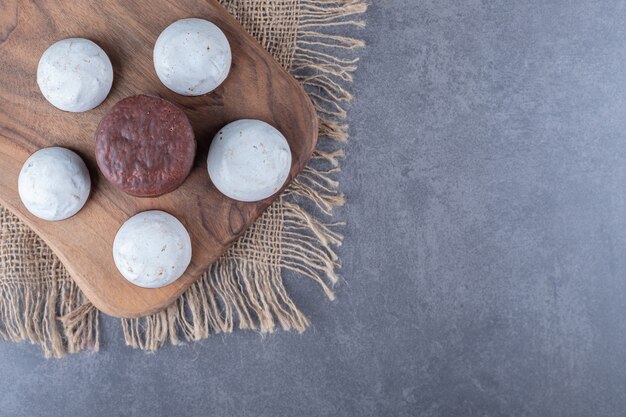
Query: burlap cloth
[(244, 289)]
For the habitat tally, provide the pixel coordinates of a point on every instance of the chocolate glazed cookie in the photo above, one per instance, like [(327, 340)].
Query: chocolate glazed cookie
[(145, 146)]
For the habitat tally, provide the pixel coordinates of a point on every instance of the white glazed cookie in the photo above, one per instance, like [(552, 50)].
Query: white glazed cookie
[(249, 160), (54, 183), (192, 57), (75, 75), (152, 249)]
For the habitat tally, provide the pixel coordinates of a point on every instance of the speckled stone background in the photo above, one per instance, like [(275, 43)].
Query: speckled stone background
[(484, 261)]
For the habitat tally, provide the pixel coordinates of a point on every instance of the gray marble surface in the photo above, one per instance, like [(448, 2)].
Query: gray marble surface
[(484, 268)]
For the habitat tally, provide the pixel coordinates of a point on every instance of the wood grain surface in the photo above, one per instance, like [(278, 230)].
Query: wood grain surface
[(257, 87)]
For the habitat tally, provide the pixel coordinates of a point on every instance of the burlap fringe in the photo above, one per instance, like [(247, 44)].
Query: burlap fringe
[(29, 313), (247, 292), (51, 313)]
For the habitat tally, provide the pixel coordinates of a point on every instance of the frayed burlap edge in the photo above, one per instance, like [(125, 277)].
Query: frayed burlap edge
[(39, 302), (244, 289)]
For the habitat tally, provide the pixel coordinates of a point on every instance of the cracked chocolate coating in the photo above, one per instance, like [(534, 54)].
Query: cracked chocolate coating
[(145, 146)]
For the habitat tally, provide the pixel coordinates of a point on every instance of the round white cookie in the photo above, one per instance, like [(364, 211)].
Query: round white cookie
[(192, 57), (75, 75), (249, 160), (152, 249), (54, 183)]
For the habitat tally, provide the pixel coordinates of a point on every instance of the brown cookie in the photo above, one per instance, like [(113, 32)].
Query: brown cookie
[(145, 146)]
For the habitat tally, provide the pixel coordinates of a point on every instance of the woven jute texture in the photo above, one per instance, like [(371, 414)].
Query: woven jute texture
[(244, 289)]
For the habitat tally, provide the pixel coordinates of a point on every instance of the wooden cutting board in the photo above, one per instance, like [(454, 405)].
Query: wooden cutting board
[(257, 88)]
